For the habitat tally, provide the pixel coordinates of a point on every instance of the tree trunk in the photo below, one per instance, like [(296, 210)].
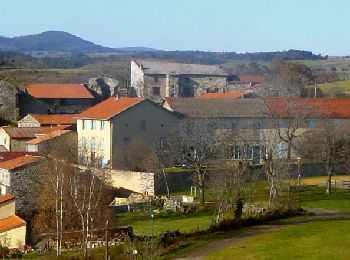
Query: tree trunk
[(166, 182), (329, 183)]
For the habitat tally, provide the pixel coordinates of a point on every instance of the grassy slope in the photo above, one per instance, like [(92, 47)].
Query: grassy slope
[(318, 240)]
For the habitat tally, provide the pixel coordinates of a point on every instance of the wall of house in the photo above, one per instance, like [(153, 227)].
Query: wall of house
[(4, 139), (8, 98), (17, 237), (25, 184), (195, 85), (136, 80), (7, 209), (127, 126), (88, 133), (28, 121), (18, 145)]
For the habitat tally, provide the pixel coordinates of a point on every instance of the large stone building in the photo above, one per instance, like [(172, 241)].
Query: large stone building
[(157, 80)]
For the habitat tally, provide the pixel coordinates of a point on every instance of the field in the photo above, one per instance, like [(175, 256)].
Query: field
[(318, 240)]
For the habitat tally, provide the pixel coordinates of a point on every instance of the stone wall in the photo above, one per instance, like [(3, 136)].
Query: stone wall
[(151, 183), (8, 98)]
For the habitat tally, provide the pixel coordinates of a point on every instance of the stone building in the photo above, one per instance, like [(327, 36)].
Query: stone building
[(8, 102), (42, 120), (54, 99), (157, 80), (20, 177)]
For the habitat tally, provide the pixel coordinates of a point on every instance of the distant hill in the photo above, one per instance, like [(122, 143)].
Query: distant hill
[(60, 42)]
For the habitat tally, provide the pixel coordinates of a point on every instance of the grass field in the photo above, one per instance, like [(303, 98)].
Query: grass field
[(142, 223), (318, 240)]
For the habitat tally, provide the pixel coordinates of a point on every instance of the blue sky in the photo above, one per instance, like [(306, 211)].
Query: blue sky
[(217, 25)]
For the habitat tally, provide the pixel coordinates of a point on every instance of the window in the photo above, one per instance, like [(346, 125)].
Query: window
[(236, 152), (5, 141), (156, 79), (143, 125), (83, 143), (93, 143), (102, 125), (83, 124), (256, 128), (161, 143), (156, 91), (187, 80), (93, 124), (127, 141), (234, 127), (102, 144), (312, 123), (337, 122)]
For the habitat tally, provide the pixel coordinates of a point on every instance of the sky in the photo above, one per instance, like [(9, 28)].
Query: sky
[(242, 26)]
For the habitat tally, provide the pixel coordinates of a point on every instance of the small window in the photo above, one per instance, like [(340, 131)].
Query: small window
[(93, 124), (5, 141), (93, 143), (83, 124), (312, 123), (156, 79), (234, 127), (156, 91), (256, 128), (216, 90), (187, 80), (102, 144), (143, 125), (161, 125), (161, 143), (83, 143), (126, 141), (102, 125)]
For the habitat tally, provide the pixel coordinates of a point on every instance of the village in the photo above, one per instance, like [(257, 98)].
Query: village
[(74, 156)]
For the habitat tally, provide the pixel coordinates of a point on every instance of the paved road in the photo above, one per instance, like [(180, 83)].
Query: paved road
[(247, 233)]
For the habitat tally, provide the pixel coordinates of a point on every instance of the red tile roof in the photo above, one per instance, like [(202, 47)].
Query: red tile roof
[(310, 107), (109, 108), (11, 223), (23, 132), (6, 198), (5, 156), (227, 95), (49, 130), (48, 90), (19, 162), (55, 119), (250, 78), (49, 136)]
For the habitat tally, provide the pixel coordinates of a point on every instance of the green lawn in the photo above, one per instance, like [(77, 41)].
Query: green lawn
[(142, 222), (334, 88), (318, 240)]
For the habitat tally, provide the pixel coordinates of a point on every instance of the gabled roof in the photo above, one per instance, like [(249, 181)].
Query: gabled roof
[(250, 78), (172, 68), (48, 90), (46, 137), (309, 107), (49, 130), (6, 198), (22, 132), (19, 162), (54, 119), (5, 156), (227, 95), (194, 107), (11, 223), (109, 108)]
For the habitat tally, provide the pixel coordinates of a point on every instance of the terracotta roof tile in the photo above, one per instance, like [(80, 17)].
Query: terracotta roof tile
[(55, 119), (5, 156), (109, 108), (19, 162), (5, 198), (310, 107), (48, 90), (22, 132), (49, 136), (227, 95), (49, 130), (11, 223), (250, 78)]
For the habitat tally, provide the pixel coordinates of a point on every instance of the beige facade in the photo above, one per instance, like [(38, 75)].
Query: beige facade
[(145, 122), (16, 237)]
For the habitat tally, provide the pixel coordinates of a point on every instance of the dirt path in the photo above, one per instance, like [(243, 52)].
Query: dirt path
[(247, 233)]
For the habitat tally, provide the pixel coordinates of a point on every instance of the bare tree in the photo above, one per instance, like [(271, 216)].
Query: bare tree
[(328, 145)]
